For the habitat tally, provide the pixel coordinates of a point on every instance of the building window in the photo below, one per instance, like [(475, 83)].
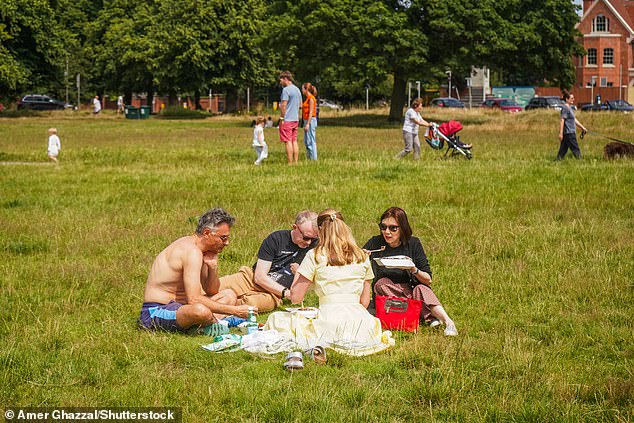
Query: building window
[(608, 56), (600, 24), (604, 82), (592, 56)]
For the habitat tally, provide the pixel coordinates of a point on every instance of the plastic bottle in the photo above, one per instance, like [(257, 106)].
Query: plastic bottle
[(253, 322)]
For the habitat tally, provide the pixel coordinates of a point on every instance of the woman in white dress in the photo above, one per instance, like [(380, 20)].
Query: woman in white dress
[(341, 274)]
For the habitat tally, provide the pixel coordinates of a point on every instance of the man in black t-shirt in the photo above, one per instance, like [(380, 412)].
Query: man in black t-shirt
[(268, 282)]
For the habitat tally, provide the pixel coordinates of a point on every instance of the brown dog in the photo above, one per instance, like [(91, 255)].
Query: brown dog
[(617, 150)]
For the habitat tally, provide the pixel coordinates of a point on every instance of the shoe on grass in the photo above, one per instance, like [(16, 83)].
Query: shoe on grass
[(434, 323), (451, 330)]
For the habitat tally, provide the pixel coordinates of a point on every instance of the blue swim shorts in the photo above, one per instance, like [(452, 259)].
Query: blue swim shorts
[(156, 316)]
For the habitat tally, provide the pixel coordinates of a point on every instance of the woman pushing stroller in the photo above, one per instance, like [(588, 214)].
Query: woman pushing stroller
[(412, 121)]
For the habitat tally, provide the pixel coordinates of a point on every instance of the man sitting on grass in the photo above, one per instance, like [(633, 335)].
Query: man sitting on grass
[(268, 282), (183, 289)]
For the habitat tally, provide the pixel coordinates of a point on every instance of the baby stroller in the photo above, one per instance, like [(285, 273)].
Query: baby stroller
[(437, 135)]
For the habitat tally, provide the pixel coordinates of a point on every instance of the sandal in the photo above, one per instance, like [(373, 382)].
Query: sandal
[(319, 355), (294, 361)]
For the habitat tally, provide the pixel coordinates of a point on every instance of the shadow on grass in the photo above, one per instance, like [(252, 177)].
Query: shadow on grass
[(378, 121)]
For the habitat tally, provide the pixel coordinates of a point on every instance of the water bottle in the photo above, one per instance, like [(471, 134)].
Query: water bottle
[(253, 323)]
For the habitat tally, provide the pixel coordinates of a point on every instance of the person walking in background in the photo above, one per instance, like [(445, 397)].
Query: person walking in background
[(120, 104), (412, 121), (309, 115), (289, 121), (54, 144), (96, 105), (568, 129), (258, 140)]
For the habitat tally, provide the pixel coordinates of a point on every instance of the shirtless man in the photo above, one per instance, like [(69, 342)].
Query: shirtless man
[(183, 289)]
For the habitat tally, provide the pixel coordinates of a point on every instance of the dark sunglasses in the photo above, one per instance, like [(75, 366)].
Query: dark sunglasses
[(392, 228), (306, 238)]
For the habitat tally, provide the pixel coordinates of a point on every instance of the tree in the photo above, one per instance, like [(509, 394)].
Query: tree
[(364, 40), (211, 43), (32, 48)]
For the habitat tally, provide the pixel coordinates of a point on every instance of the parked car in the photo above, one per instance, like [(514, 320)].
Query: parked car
[(330, 104), (598, 107), (620, 105), (610, 105), (545, 102), (42, 102), (504, 104), (447, 102)]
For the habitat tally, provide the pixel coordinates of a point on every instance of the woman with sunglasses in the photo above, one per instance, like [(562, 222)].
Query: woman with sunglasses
[(396, 239), (341, 274)]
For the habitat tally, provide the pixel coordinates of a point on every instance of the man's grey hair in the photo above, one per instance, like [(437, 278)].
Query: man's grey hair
[(214, 218), (306, 215)]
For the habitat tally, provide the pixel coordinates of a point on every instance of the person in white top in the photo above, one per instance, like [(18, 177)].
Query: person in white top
[(120, 104), (258, 140), (53, 144), (412, 121), (96, 105)]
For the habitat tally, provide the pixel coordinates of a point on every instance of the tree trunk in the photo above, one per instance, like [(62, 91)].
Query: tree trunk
[(398, 96), (197, 100), (127, 97), (231, 100), (150, 95)]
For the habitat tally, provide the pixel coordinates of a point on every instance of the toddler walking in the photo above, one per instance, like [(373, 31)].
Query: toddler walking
[(258, 140), (53, 144)]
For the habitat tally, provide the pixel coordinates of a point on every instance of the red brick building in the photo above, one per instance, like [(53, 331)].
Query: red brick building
[(608, 37)]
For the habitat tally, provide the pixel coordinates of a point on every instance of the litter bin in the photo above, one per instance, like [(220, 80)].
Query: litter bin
[(144, 112), (132, 112)]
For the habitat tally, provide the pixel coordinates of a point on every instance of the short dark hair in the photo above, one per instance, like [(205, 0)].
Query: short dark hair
[(401, 217), (565, 94), (214, 218), (416, 102)]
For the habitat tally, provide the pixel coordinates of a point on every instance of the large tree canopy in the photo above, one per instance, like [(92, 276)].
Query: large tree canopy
[(32, 46), (188, 46)]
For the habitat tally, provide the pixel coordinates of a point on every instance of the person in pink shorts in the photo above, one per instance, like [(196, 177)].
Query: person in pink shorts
[(290, 102)]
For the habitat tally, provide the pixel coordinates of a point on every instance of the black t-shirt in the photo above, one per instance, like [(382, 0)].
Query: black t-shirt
[(281, 251), (413, 249)]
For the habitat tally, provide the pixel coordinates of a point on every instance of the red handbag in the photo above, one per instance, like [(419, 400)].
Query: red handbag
[(398, 313)]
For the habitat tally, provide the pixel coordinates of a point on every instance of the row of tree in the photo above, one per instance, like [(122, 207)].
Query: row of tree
[(188, 46)]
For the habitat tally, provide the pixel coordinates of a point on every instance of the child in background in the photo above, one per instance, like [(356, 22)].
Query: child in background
[(53, 144), (258, 140)]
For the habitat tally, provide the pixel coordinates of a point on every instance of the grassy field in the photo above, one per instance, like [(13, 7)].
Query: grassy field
[(533, 259)]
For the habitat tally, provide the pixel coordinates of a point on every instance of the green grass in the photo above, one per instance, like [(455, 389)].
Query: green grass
[(533, 259)]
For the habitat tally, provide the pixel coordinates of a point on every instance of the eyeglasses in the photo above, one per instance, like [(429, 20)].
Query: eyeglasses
[(306, 238), (223, 238), (392, 228)]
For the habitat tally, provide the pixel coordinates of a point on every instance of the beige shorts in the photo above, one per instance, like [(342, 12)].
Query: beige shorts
[(243, 284)]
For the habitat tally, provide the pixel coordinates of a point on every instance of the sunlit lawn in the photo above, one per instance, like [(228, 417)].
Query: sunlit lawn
[(533, 259)]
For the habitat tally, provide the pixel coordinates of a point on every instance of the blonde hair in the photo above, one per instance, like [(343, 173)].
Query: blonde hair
[(259, 120), (336, 241), (52, 131)]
